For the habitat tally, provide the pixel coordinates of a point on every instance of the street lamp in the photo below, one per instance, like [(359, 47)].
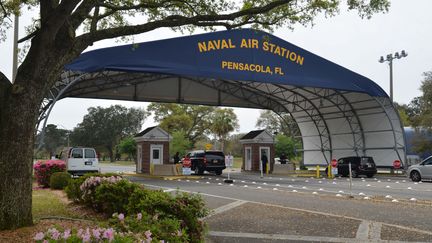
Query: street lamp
[(389, 58)]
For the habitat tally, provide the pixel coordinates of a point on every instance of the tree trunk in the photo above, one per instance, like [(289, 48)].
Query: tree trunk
[(18, 114), (110, 153)]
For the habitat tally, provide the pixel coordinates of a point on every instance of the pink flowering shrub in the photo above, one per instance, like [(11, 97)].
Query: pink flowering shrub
[(125, 230), (44, 169), (150, 228), (89, 186), (97, 235)]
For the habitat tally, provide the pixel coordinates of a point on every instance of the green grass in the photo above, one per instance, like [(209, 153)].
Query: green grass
[(237, 162), (46, 203), (118, 163)]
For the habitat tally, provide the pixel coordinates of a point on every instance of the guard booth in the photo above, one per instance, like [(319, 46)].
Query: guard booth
[(153, 151), (255, 143)]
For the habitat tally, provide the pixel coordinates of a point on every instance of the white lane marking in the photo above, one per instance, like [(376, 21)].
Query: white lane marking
[(169, 190), (225, 207)]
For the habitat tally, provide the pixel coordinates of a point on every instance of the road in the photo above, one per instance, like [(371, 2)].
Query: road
[(283, 208), (304, 194)]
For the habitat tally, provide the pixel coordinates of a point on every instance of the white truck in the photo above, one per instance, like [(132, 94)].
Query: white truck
[(80, 160)]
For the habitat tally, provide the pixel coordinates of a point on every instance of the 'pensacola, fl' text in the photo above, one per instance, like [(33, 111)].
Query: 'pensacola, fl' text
[(219, 44)]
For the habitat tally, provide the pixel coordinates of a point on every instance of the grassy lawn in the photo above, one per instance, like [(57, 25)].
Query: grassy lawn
[(238, 162), (118, 163), (47, 203)]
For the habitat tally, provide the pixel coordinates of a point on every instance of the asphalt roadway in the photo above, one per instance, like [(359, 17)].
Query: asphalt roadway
[(288, 209)]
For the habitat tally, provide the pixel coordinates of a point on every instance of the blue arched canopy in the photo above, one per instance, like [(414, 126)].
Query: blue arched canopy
[(338, 112)]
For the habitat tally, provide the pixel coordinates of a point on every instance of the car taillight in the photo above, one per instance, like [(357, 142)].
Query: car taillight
[(205, 160)]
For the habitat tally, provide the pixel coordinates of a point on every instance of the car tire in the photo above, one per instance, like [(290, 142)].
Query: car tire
[(354, 174), (370, 175), (218, 172), (197, 170), (415, 176)]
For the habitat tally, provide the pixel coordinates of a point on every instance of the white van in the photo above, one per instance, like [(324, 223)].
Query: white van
[(80, 160)]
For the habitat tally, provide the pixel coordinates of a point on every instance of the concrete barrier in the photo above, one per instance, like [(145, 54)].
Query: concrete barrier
[(165, 170), (282, 169)]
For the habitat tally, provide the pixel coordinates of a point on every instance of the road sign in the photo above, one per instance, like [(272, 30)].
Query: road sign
[(397, 164), (334, 163), (187, 162), (208, 146)]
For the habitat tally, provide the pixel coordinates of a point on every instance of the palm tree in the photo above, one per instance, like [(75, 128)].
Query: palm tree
[(224, 121)]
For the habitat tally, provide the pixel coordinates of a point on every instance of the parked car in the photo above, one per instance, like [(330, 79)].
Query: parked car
[(359, 166), (421, 171), (205, 160), (80, 160)]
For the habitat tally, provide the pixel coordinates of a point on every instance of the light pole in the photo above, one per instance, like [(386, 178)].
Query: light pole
[(389, 59)]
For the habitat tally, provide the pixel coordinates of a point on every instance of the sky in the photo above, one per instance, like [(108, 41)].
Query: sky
[(346, 39)]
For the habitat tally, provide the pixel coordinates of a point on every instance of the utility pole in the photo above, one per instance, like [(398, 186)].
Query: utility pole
[(389, 59)]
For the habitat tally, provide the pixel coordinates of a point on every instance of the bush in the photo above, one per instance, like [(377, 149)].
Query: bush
[(186, 208), (59, 180), (44, 170), (73, 190), (167, 229), (89, 186), (113, 197), (171, 217)]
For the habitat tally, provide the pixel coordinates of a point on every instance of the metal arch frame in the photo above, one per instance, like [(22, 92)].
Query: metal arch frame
[(239, 87), (46, 109), (349, 118), (382, 101), (294, 94), (136, 79), (321, 133), (279, 98)]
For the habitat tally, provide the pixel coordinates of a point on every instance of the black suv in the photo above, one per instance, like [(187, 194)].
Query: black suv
[(205, 160), (359, 166)]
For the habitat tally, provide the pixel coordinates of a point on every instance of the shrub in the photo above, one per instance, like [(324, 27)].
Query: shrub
[(113, 197), (168, 229), (44, 170), (88, 188), (90, 235), (73, 190), (185, 208), (171, 217), (59, 180)]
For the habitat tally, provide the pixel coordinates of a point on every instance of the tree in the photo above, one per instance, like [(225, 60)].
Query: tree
[(64, 29), (224, 121), (54, 138), (107, 126), (128, 146), (424, 103), (276, 124), (179, 143), (403, 111), (234, 146), (286, 145), (192, 120)]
